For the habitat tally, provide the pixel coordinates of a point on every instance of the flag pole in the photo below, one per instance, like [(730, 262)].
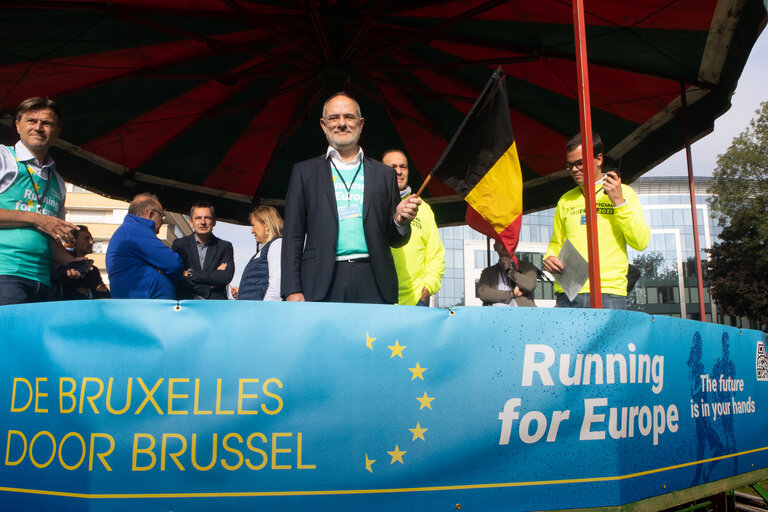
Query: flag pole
[(585, 121), (423, 185)]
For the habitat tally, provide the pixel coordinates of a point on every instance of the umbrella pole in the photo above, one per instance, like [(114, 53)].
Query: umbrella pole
[(585, 121), (694, 217)]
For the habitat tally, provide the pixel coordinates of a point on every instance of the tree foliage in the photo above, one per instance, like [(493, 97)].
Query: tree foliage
[(738, 266), (649, 263), (738, 272), (652, 264)]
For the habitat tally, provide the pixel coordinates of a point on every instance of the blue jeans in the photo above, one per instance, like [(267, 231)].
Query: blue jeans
[(20, 290), (610, 301)]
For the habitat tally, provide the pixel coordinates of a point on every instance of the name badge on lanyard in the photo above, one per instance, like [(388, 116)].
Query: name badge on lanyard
[(349, 212)]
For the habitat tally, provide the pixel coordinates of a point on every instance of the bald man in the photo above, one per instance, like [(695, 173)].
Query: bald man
[(139, 265)]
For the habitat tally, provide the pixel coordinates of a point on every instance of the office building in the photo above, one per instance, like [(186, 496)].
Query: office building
[(668, 282)]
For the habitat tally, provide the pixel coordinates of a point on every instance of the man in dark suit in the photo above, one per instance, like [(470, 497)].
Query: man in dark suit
[(342, 214), (208, 260)]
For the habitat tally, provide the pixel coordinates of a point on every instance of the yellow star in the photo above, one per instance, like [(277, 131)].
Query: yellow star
[(397, 455), (426, 401), (37, 187), (417, 372), (369, 463), (418, 432), (397, 349), (30, 202), (369, 341)]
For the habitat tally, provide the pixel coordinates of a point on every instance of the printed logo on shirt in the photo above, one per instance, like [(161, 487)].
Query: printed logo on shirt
[(602, 208)]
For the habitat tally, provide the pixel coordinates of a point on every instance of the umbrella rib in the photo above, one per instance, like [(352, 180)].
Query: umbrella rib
[(32, 63), (222, 77), (322, 37), (629, 29), (657, 11), (103, 6), (362, 31), (413, 5), (456, 38), (211, 113), (421, 90), (279, 91), (632, 100), (560, 78), (547, 53), (430, 34), (388, 106), (447, 72), (291, 129), (263, 99), (209, 41), (255, 21), (451, 65), (201, 115), (123, 117)]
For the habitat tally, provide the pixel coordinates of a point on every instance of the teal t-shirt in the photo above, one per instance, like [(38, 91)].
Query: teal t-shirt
[(348, 187), (26, 252)]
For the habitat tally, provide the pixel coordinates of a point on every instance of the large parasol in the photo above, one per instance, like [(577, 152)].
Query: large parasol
[(217, 99)]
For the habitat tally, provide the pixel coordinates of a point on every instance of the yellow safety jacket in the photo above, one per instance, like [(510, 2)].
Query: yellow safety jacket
[(617, 227)]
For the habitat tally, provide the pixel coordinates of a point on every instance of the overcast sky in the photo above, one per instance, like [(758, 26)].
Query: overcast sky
[(751, 90)]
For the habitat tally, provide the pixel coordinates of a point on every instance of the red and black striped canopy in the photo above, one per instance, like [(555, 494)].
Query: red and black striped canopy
[(217, 99)]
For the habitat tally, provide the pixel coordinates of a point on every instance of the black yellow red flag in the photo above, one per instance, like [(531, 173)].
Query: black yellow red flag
[(481, 164)]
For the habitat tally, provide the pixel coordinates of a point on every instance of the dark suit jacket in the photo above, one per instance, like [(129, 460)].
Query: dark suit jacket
[(219, 251), (311, 211), (525, 277)]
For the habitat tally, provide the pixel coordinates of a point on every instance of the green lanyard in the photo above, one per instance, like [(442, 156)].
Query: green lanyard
[(35, 185)]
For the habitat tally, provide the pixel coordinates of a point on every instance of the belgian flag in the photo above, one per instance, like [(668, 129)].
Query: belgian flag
[(481, 164)]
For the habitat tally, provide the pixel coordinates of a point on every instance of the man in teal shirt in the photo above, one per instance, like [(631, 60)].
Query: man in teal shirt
[(32, 225), (342, 214)]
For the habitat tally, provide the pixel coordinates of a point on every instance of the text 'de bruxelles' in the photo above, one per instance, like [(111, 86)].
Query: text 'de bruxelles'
[(152, 451)]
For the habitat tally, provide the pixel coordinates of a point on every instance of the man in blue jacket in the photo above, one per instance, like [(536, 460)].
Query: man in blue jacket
[(139, 265)]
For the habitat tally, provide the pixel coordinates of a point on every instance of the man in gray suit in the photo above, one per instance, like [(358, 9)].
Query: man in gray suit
[(209, 263)]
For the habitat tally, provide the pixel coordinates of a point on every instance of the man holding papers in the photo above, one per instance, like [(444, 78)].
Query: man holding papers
[(620, 222)]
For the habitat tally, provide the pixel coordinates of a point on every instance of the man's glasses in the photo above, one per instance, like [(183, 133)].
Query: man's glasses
[(335, 118), (161, 214), (578, 164)]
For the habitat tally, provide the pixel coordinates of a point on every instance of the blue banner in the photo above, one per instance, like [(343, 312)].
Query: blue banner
[(126, 405)]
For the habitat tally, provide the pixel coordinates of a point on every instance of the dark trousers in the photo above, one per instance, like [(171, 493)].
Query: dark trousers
[(353, 282), (610, 301), (20, 290)]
